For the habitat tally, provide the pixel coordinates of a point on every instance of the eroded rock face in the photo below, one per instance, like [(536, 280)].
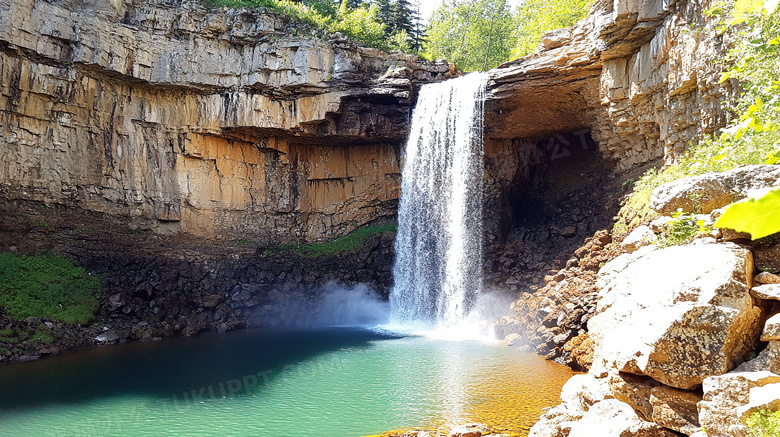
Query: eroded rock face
[(631, 72), (211, 122), (678, 314)]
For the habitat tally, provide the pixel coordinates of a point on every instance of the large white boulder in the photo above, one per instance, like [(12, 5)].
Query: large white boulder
[(612, 417), (711, 191), (678, 314)]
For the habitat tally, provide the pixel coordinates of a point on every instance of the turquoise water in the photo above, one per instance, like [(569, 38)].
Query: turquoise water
[(328, 383)]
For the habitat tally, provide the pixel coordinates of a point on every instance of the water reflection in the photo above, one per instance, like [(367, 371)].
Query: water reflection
[(319, 384)]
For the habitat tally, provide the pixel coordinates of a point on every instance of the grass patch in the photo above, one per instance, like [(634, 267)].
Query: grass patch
[(8, 336), (47, 286), (348, 243), (42, 336), (764, 424)]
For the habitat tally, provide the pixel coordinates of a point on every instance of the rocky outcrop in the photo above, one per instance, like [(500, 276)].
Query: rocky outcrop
[(632, 73), (658, 338), (703, 296), (211, 122), (711, 191)]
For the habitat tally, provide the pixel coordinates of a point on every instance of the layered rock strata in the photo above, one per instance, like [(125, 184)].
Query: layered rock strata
[(641, 76), (210, 122)]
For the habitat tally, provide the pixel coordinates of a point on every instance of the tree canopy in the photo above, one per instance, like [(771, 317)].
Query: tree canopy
[(481, 34)]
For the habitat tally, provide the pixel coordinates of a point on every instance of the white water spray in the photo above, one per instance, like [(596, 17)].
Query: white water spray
[(438, 266)]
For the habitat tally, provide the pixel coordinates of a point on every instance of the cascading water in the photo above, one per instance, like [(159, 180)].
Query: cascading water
[(438, 266)]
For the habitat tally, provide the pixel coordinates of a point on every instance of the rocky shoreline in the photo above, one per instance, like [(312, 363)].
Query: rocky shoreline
[(678, 339), (156, 286)]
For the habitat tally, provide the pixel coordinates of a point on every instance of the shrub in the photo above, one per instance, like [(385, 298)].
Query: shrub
[(764, 424), (535, 17)]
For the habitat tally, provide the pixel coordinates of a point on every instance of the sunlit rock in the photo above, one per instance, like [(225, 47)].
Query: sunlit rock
[(678, 314), (723, 395), (711, 191)]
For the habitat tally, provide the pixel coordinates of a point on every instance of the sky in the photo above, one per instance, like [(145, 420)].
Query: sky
[(427, 7)]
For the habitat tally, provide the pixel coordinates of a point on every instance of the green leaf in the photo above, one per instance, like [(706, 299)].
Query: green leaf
[(758, 217)]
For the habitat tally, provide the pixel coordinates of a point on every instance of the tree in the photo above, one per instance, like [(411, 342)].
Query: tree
[(402, 17), (535, 17), (418, 35), (473, 34)]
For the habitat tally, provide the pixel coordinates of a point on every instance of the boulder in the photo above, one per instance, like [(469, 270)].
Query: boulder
[(723, 395), (641, 236), (767, 292), (584, 391), (678, 314), (766, 398), (771, 329), (768, 359), (711, 191), (633, 390), (675, 409), (614, 418), (767, 278)]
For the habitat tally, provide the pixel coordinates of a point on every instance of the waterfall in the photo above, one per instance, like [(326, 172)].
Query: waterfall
[(438, 265)]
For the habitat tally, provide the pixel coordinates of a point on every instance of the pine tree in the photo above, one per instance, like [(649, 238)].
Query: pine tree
[(354, 4), (418, 34), (385, 13), (402, 17)]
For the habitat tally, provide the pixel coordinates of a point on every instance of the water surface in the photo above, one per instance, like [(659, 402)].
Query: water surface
[(325, 383)]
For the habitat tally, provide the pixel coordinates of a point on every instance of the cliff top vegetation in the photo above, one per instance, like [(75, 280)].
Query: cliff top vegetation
[(475, 35)]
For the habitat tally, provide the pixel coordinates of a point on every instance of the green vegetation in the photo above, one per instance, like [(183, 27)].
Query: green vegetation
[(382, 24), (348, 243), (758, 217), (764, 424), (47, 286), (7, 336), (42, 336), (682, 229), (753, 136), (475, 35), (482, 34), (472, 34), (535, 17)]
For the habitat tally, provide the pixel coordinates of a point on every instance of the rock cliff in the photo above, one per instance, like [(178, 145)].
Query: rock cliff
[(212, 122), (641, 76)]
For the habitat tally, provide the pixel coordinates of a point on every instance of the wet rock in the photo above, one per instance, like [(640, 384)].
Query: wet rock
[(678, 314), (711, 191), (106, 337), (723, 395)]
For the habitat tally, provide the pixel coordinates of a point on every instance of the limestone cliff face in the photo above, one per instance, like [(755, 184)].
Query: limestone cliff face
[(641, 75), (211, 122)]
